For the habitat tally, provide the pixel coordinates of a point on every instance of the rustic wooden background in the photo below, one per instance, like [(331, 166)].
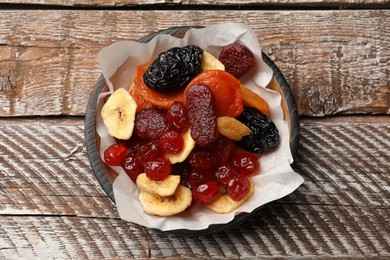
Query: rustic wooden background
[(335, 56)]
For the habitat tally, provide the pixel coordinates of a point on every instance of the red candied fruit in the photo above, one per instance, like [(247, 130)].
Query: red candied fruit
[(246, 163), (177, 115), (132, 166), (171, 142), (237, 58), (205, 192), (203, 160), (148, 150), (157, 168), (198, 176), (150, 123), (114, 154), (225, 173), (238, 187)]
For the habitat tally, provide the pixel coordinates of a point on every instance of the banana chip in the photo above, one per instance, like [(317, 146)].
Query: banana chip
[(166, 206)]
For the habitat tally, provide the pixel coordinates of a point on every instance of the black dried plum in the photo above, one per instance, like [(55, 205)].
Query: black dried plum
[(264, 136), (174, 68)]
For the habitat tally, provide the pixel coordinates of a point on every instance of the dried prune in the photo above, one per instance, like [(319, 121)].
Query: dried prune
[(174, 68), (150, 123), (237, 58), (264, 135), (200, 104)]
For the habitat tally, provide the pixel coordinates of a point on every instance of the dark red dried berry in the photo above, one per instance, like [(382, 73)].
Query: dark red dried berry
[(201, 113), (237, 58), (225, 173), (132, 166), (202, 160), (150, 123), (148, 150), (246, 163), (183, 170), (157, 168), (205, 192), (238, 187), (198, 176), (171, 142), (177, 115), (114, 154)]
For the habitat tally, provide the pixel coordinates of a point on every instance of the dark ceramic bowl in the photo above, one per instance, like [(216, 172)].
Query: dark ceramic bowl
[(106, 176)]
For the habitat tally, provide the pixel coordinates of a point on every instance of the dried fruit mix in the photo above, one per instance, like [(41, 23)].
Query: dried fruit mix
[(195, 131)]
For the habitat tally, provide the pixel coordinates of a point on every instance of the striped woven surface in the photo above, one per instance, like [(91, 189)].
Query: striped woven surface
[(52, 207)]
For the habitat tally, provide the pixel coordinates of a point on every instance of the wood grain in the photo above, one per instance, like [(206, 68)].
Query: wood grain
[(282, 3), (335, 61), (51, 205)]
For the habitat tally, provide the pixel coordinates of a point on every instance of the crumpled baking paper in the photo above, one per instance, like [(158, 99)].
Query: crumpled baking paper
[(276, 180)]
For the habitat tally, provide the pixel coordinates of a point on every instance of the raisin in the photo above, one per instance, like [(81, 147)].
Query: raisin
[(237, 58), (177, 115), (150, 123), (200, 104), (174, 68), (264, 135)]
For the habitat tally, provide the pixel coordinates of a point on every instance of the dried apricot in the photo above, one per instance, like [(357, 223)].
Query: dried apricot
[(157, 98), (251, 99), (141, 102), (226, 91)]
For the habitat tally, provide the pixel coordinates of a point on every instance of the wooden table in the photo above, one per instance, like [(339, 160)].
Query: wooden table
[(334, 54)]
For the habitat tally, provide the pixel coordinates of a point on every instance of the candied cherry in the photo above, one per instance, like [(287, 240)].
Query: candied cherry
[(170, 142), (203, 160), (225, 173), (238, 187), (198, 176), (132, 166), (205, 192), (157, 168), (177, 115), (148, 150), (114, 154), (246, 163)]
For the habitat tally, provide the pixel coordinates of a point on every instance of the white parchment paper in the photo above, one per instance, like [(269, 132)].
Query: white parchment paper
[(276, 180)]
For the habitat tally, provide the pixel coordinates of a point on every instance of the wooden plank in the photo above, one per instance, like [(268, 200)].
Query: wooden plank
[(335, 61), (51, 206), (279, 3)]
